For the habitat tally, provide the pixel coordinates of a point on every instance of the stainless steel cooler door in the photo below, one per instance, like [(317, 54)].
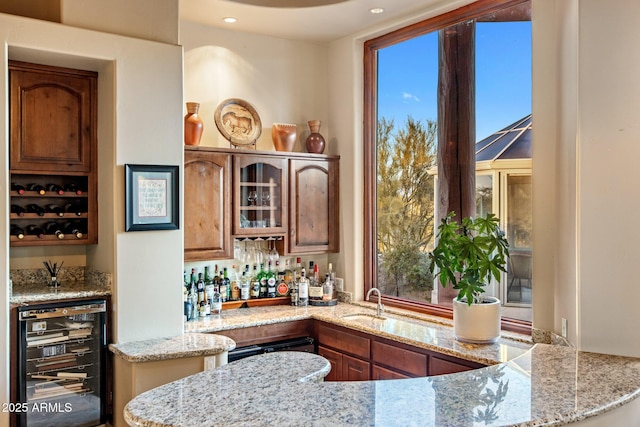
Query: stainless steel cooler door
[(62, 348)]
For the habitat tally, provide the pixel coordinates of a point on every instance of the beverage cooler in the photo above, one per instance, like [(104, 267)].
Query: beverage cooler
[(62, 364)]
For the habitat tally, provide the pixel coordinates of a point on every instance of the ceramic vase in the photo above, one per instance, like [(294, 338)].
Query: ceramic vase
[(193, 126), (315, 142), (477, 323), (284, 136)]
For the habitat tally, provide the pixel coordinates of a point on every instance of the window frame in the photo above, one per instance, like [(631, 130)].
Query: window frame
[(371, 47)]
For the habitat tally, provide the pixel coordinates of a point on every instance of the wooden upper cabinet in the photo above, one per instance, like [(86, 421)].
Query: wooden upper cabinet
[(53, 118), (207, 205), (314, 206), (260, 195)]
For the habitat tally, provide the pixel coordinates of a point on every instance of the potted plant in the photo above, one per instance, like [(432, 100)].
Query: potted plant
[(468, 255)]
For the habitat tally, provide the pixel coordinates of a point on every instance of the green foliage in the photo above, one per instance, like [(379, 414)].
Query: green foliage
[(469, 254), (405, 202)]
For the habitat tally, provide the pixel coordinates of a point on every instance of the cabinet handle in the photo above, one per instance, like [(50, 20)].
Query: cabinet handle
[(292, 232)]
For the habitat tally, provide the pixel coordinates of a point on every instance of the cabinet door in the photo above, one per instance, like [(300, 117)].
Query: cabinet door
[(53, 118), (395, 356), (314, 208), (207, 205), (439, 366), (335, 359), (380, 373), (260, 195), (355, 369)]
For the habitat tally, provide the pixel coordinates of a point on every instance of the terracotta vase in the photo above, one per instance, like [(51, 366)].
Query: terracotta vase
[(284, 136), (315, 142), (193, 126)]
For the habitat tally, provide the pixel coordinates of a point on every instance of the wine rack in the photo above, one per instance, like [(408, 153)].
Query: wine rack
[(58, 207)]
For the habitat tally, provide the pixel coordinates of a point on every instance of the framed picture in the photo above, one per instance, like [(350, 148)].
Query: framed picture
[(151, 197)]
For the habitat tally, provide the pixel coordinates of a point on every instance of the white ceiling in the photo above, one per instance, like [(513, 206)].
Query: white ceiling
[(311, 20)]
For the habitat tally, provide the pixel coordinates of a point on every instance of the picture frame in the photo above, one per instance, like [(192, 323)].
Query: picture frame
[(151, 197)]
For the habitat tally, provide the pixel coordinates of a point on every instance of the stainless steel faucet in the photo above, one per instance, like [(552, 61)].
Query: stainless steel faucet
[(380, 307)]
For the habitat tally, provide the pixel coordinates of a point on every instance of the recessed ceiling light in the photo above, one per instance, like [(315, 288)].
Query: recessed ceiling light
[(230, 19), (376, 10)]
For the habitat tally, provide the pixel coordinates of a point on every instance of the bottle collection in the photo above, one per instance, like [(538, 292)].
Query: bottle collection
[(47, 211), (204, 293)]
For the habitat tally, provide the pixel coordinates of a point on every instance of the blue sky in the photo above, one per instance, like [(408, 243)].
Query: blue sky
[(408, 76)]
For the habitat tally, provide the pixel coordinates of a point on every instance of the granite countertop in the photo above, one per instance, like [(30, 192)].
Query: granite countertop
[(548, 385), (187, 345), (428, 332), (31, 285)]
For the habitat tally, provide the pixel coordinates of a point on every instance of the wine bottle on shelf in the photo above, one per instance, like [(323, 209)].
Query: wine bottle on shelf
[(73, 188), (74, 208), (200, 287), (262, 277), (37, 188), (55, 188), (58, 210), (73, 229), (255, 283), (20, 189), (271, 282), (55, 229), (33, 208), (35, 230), (18, 210), (303, 289), (17, 231)]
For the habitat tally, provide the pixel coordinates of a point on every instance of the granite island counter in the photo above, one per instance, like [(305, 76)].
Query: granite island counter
[(524, 386)]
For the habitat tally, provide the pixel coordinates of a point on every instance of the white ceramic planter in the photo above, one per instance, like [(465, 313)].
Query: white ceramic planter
[(477, 323)]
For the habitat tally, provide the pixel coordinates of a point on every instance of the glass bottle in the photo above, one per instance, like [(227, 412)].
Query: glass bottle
[(200, 287), (315, 286), (224, 286), (271, 282), (262, 277), (303, 289), (327, 288), (244, 286), (235, 285), (255, 283)]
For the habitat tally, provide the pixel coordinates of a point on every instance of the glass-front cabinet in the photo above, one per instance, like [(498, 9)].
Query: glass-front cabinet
[(260, 196)]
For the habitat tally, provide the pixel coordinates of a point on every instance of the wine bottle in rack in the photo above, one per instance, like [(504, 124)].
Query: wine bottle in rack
[(18, 210), (73, 188), (55, 188), (37, 188), (58, 210), (54, 229), (73, 229), (17, 231), (74, 208), (20, 189), (35, 230), (33, 208)]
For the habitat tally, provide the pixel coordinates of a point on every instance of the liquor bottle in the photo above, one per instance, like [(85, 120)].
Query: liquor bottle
[(298, 269), (303, 289), (54, 228), (244, 286), (315, 286), (216, 277), (186, 303), (73, 228), (235, 284), (282, 289), (17, 231), (200, 287), (216, 305), (288, 273), (58, 210), (262, 277), (73, 188), (271, 282), (327, 288), (255, 283), (20, 189), (209, 286), (293, 293), (34, 230), (33, 208), (54, 188), (224, 286), (18, 210), (37, 188)]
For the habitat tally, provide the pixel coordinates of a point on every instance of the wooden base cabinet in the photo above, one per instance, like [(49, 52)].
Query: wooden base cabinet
[(358, 356)]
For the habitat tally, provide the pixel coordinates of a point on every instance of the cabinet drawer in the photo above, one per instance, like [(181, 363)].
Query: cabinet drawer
[(344, 341), (399, 358)]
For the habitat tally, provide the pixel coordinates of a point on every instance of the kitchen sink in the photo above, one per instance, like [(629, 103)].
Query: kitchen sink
[(363, 317)]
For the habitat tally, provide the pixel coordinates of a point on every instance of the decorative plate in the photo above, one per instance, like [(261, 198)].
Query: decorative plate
[(238, 122)]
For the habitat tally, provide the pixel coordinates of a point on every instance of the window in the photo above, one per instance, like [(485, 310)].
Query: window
[(402, 99)]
